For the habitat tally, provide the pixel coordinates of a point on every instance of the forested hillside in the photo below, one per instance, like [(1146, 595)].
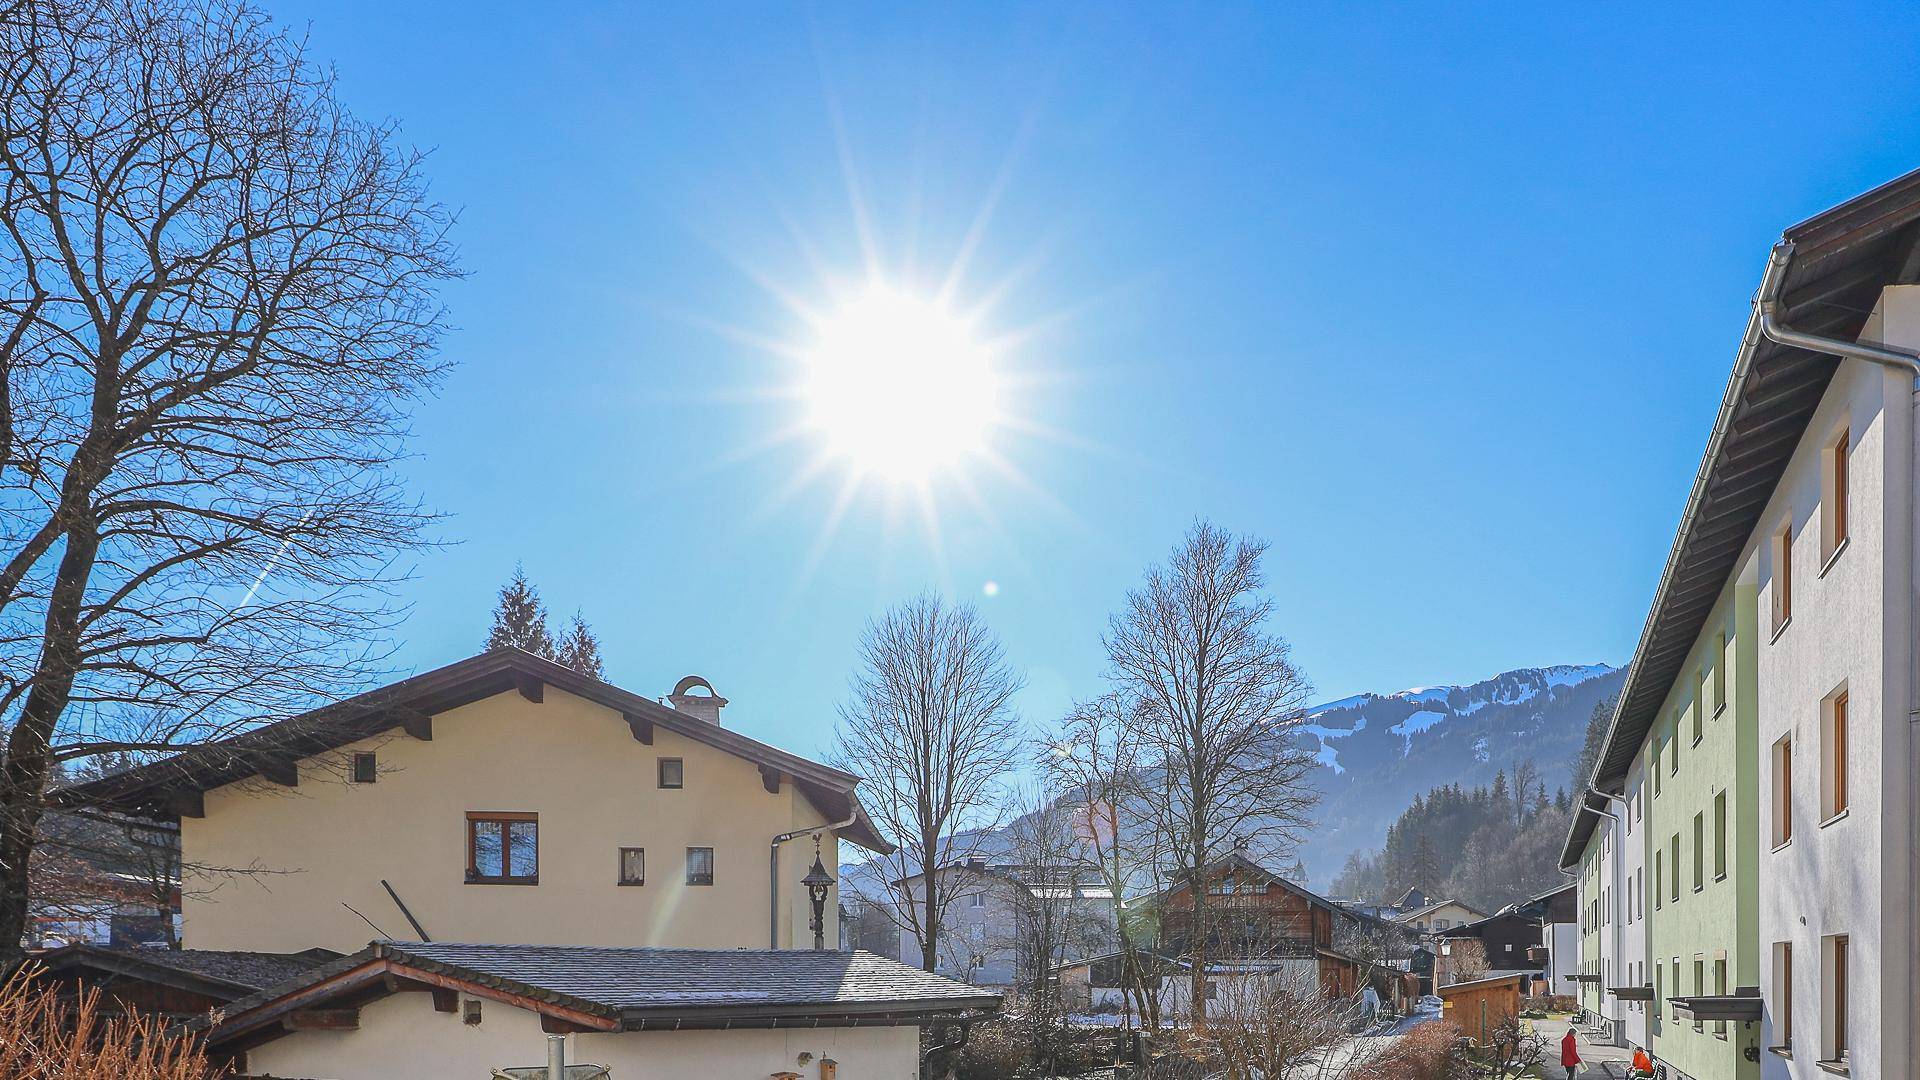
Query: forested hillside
[(1486, 846)]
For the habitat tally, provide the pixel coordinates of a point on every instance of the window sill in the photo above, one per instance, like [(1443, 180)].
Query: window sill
[(1781, 1052), (1699, 888), (699, 884), (1696, 739), (1838, 1068), (1718, 709), (1836, 817), (1783, 844), (629, 884), (1721, 876), (1781, 629), (502, 881), (1838, 551)]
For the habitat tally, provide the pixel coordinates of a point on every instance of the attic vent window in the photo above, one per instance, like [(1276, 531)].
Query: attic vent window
[(364, 768), (672, 772)]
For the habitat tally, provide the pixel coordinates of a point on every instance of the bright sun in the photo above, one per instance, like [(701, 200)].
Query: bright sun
[(899, 385)]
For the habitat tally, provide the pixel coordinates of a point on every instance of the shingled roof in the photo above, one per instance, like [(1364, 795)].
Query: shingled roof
[(171, 787), (615, 989), (220, 974)]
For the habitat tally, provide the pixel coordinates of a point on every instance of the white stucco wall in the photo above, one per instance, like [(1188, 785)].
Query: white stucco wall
[(402, 1038), (327, 844), (1849, 628)]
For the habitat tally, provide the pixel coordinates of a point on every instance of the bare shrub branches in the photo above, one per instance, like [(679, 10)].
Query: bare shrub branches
[(931, 725), (43, 1037)]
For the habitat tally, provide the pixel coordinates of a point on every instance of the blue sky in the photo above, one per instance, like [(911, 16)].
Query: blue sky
[(1441, 305)]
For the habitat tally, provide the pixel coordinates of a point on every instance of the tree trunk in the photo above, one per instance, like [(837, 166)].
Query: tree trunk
[(29, 764)]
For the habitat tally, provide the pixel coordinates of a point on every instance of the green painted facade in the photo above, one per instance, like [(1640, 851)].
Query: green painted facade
[(1593, 921), (1700, 833)]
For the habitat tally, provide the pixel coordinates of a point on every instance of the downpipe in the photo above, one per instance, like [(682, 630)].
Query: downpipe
[(773, 871)]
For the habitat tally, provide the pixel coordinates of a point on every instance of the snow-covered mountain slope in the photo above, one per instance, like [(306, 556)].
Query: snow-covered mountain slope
[(1377, 751)]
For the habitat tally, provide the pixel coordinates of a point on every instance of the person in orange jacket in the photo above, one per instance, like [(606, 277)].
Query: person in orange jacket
[(1569, 1054), (1642, 1064)]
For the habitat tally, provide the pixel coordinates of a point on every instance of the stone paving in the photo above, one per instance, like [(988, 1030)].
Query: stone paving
[(1598, 1061)]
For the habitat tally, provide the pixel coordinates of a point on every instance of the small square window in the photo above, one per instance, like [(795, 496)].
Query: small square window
[(672, 773), (976, 900), (365, 768), (699, 866), (633, 866)]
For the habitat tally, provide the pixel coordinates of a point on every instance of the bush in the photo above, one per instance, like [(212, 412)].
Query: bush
[(1428, 1052), (43, 1037)]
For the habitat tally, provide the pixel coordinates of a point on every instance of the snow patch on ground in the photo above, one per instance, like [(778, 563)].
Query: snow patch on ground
[(1480, 750)]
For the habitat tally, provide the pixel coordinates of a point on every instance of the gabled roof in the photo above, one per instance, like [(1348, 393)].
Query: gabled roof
[(612, 989), (1586, 819), (224, 975), (166, 789), (1240, 865), (1435, 906), (1838, 262)]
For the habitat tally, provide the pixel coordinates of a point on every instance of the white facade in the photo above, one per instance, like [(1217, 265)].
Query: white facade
[(401, 1037), (1631, 1017), (1837, 890)]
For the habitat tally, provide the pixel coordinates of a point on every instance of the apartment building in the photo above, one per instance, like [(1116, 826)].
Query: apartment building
[(1760, 760)]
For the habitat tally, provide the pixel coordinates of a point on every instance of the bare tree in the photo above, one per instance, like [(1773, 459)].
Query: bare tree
[(217, 304), (1096, 759), (1278, 1024), (1219, 701), (931, 726), (1463, 959)]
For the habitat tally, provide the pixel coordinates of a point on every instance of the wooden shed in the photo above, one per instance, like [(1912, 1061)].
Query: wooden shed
[(1480, 1005)]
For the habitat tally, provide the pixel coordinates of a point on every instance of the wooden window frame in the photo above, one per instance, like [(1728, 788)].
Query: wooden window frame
[(1781, 591), (1782, 761), (691, 881), (620, 869), (506, 818), (1833, 722), (1783, 993), (366, 767), (1699, 851), (1835, 1034), (1833, 499), (680, 766), (1720, 836)]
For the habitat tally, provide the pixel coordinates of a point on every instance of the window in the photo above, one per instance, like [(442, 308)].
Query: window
[(1783, 993), (1699, 852), (1783, 790), (1720, 988), (1673, 747), (699, 866), (1656, 771), (1699, 986), (1782, 577), (1720, 836), (503, 848), (976, 900), (1833, 756), (1674, 862), (633, 866), (1833, 499), (1699, 704), (1720, 674), (365, 768), (1659, 984), (1657, 894), (672, 772), (1833, 1014)]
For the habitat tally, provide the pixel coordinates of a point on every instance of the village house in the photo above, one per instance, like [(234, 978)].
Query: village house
[(1745, 853), (1430, 916), (575, 840), (987, 936)]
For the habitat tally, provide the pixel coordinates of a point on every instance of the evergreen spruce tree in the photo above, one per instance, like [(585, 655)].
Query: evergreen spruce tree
[(579, 649), (520, 619)]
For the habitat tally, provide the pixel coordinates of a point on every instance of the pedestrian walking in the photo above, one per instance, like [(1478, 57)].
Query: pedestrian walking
[(1570, 1054)]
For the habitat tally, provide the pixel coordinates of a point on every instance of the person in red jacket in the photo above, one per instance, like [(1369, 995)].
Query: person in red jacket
[(1569, 1054)]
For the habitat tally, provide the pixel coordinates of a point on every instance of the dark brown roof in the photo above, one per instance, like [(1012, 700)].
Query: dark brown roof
[(157, 790), (1840, 261), (616, 989), (216, 973)]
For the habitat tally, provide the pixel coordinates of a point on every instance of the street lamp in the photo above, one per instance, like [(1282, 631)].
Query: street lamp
[(817, 883)]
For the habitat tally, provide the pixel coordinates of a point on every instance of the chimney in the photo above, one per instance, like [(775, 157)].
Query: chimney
[(699, 706)]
